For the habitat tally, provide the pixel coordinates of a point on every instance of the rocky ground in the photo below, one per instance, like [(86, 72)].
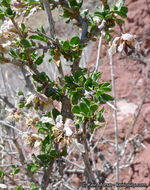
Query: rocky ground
[(132, 80)]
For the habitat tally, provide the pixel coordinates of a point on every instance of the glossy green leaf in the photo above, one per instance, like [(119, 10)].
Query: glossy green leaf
[(76, 109), (25, 43), (75, 40), (93, 107), (55, 113), (84, 109), (33, 167), (19, 187), (66, 45), (39, 60), (39, 37), (13, 52), (107, 97), (23, 27)]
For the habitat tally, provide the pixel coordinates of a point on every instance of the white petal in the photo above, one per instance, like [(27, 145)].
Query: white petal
[(120, 47), (68, 131), (3, 186), (30, 99), (47, 120), (59, 119)]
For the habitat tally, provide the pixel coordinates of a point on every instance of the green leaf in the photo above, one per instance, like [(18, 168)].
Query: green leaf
[(109, 16), (39, 60), (76, 109), (1, 174), (66, 14), (10, 13), (88, 84), (66, 45), (75, 41), (87, 101), (96, 76), (64, 152), (15, 170), (124, 10), (93, 126), (1, 15), (84, 12), (22, 56), (41, 29), (20, 93), (25, 43), (69, 79), (93, 107), (54, 153), (46, 147), (99, 117), (39, 37), (99, 14), (55, 113), (33, 167), (107, 97), (84, 109), (119, 4), (13, 52), (43, 76), (5, 3), (45, 159), (23, 27), (21, 104), (33, 186), (19, 187)]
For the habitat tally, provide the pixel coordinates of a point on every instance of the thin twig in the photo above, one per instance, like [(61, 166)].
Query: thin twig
[(98, 53), (8, 125), (49, 18), (115, 120)]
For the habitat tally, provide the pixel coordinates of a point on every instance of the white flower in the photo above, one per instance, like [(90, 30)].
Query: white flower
[(3, 186), (37, 144), (59, 121), (30, 99), (67, 129), (47, 120), (128, 37)]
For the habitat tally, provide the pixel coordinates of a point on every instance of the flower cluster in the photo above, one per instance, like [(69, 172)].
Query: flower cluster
[(123, 43), (61, 131)]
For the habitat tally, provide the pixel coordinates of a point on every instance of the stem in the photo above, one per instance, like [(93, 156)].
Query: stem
[(115, 119), (98, 53), (49, 17)]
